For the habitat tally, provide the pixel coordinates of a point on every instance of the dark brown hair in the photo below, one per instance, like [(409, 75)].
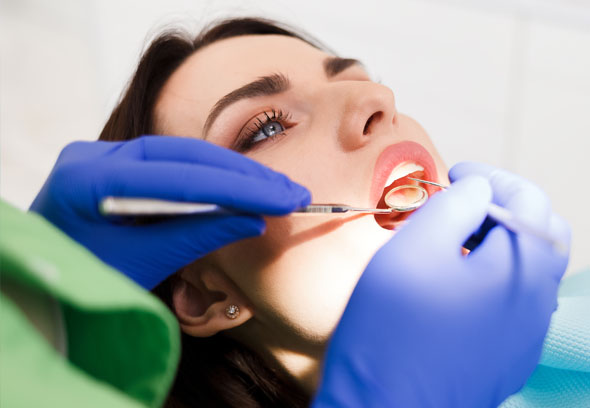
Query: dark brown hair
[(215, 371), (134, 114)]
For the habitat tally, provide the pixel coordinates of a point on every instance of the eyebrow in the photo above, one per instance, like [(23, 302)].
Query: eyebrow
[(271, 85), (335, 65)]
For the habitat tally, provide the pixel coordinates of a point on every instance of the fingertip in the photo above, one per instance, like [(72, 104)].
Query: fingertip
[(497, 248), (448, 219), (459, 170), (461, 196), (300, 195), (296, 188), (472, 187), (467, 168), (291, 204), (469, 196), (560, 228), (304, 196)]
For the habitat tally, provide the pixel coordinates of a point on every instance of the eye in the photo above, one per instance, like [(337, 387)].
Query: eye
[(266, 129), (269, 126)]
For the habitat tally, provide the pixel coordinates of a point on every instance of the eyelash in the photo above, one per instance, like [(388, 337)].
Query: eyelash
[(245, 142)]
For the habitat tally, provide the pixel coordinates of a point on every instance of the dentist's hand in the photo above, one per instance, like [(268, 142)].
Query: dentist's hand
[(429, 327), (161, 167)]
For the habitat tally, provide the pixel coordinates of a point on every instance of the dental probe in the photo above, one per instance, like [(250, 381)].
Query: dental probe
[(510, 221)]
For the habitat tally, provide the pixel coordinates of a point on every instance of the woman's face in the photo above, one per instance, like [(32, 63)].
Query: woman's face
[(299, 275)]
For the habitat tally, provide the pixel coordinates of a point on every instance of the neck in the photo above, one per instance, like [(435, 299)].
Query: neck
[(304, 369), (301, 364)]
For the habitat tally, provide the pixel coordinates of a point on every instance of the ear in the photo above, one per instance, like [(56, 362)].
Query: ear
[(203, 298)]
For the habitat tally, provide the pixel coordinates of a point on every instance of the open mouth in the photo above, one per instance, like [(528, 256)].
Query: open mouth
[(399, 177), (394, 167)]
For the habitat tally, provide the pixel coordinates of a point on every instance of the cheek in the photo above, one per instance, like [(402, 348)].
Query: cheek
[(301, 273), (309, 158)]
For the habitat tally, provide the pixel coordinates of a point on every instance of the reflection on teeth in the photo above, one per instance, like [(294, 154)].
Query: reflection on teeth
[(402, 171)]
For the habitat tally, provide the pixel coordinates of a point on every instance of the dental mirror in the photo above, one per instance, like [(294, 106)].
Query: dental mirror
[(400, 199), (406, 198)]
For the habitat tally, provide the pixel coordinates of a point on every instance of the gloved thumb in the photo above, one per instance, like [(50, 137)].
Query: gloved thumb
[(446, 221), (467, 168)]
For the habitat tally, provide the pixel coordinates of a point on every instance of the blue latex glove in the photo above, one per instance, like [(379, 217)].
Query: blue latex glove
[(429, 327), (171, 168)]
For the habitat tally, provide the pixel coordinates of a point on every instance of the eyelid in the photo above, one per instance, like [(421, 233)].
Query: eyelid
[(262, 116), (258, 120), (250, 120)]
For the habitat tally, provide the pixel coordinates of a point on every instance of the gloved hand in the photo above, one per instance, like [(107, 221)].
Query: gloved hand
[(161, 167), (429, 327)]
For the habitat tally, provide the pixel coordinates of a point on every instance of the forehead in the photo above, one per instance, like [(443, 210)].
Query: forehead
[(247, 57), (223, 66)]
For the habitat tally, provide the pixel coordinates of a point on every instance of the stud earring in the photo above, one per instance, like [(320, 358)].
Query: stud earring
[(232, 311)]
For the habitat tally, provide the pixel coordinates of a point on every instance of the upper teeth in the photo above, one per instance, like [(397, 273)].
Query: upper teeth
[(402, 171)]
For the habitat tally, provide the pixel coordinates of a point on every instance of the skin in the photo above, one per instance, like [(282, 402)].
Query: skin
[(291, 284)]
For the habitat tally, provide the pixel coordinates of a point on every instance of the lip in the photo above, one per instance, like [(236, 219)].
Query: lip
[(393, 156)]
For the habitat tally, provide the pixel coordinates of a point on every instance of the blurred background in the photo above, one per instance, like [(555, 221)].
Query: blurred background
[(504, 82)]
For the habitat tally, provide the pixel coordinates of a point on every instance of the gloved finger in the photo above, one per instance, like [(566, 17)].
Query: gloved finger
[(478, 236), (560, 229), (504, 183), (523, 198), (83, 150), (190, 150), (498, 249), (190, 238), (512, 255), (446, 221), (196, 183), (467, 168)]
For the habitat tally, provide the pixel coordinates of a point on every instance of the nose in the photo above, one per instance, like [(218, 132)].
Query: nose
[(367, 109)]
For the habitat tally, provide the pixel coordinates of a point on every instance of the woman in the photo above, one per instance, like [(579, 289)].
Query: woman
[(256, 315), (424, 325), (281, 99)]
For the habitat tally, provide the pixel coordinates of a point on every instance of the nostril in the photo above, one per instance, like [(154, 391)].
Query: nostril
[(374, 117)]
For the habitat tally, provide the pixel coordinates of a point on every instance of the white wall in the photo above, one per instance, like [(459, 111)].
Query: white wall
[(505, 82)]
